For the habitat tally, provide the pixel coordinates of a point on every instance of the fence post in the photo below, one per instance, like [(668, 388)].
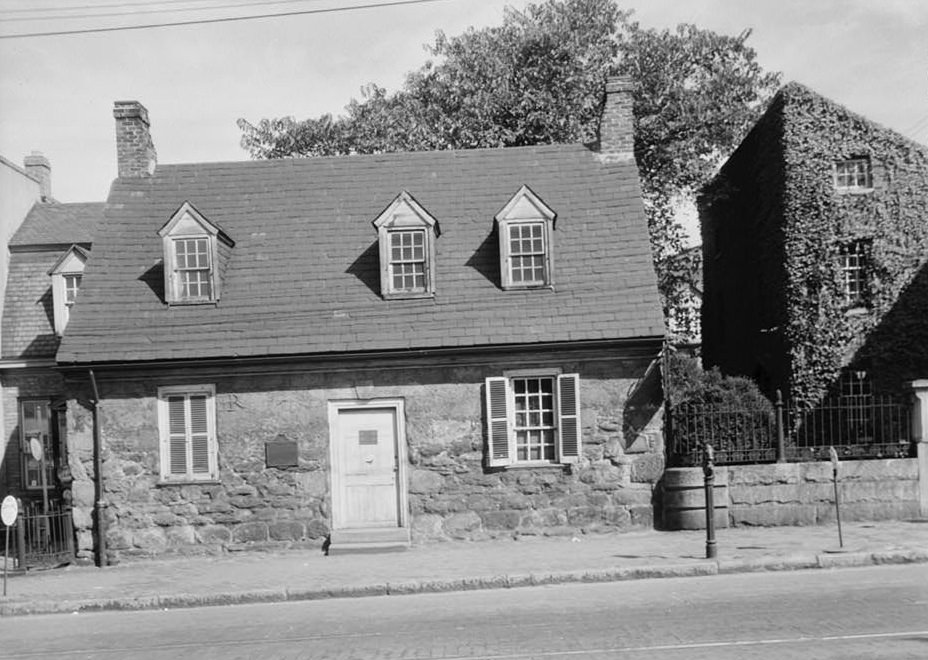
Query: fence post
[(920, 435), (21, 537), (781, 435)]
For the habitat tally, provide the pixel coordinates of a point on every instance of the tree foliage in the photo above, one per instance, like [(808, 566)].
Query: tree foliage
[(538, 78)]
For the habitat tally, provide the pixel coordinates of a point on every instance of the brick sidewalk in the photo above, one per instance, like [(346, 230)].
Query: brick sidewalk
[(308, 574)]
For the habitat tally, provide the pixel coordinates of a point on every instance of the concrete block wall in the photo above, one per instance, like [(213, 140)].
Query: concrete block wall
[(803, 493)]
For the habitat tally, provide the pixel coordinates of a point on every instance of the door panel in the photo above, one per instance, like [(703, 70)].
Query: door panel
[(367, 453)]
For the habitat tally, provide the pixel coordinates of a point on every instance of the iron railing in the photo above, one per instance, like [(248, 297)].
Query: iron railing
[(47, 535), (856, 426)]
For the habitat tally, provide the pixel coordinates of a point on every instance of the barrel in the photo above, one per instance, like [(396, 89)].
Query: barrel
[(684, 498)]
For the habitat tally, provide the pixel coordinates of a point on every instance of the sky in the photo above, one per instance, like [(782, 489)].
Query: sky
[(57, 92)]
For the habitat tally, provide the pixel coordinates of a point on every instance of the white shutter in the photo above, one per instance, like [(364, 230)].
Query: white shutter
[(568, 404), (177, 436), (199, 435), (498, 445)]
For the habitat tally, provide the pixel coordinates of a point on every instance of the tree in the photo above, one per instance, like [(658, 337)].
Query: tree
[(538, 78)]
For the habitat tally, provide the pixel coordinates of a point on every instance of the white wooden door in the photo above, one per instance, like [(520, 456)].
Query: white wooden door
[(367, 464)]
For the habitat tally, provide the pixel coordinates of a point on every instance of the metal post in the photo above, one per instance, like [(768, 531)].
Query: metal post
[(21, 537), (834, 476), (709, 473), (781, 435)]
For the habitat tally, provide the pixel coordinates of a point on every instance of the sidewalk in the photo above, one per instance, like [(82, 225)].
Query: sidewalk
[(307, 574)]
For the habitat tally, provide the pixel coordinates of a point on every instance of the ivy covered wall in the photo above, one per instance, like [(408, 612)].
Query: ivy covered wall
[(776, 201)]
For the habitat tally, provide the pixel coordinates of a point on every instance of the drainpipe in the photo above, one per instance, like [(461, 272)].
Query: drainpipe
[(99, 504)]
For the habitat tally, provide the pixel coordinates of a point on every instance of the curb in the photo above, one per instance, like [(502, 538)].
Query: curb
[(792, 562)]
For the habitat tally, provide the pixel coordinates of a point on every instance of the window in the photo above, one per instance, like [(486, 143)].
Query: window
[(191, 257), (853, 174), (72, 282), (192, 268), (187, 423), (854, 264), (856, 404), (406, 242), (533, 418), (525, 227), (36, 429), (66, 277)]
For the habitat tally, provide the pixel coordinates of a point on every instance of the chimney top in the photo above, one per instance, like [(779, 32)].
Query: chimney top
[(135, 151), (617, 124), (38, 167)]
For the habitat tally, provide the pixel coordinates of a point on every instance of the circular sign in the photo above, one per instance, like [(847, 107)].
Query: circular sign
[(9, 509), (35, 448)]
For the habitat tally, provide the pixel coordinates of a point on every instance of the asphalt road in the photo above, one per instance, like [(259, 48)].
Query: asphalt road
[(871, 613)]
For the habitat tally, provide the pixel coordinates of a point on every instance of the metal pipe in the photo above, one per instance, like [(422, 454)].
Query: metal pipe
[(99, 503), (709, 474)]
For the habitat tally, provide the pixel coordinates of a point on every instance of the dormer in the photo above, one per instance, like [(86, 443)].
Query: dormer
[(526, 226), (406, 236), (66, 281), (190, 244)]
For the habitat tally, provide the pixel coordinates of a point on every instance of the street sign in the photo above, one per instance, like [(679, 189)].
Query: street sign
[(9, 509), (834, 459), (35, 448)]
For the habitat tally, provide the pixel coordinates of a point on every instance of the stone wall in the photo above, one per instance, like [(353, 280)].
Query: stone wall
[(803, 493), (451, 494)]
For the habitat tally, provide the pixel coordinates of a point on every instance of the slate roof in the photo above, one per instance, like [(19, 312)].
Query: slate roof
[(49, 229), (303, 277)]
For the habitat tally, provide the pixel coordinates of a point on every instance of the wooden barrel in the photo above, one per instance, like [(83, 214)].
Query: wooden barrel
[(684, 498)]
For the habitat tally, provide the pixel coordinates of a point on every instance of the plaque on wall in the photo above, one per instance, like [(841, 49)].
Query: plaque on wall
[(281, 453)]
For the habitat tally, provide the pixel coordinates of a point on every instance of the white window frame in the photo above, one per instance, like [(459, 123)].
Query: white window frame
[(854, 266), (405, 214), (48, 449), (524, 209), (189, 224), (502, 447), (71, 264), (211, 475), (843, 179)]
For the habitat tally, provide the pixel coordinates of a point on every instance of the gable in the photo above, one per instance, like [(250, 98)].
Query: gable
[(304, 275)]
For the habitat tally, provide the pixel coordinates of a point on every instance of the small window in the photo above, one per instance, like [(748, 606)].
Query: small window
[(191, 257), (855, 276), (406, 242), (36, 429), (853, 174), (66, 277), (533, 419), (187, 424), (525, 228), (193, 271)]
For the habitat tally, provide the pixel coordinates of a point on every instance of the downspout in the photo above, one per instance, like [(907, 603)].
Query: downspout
[(99, 504)]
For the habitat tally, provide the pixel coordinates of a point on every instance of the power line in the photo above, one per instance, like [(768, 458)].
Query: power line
[(139, 12), (111, 5), (230, 19)]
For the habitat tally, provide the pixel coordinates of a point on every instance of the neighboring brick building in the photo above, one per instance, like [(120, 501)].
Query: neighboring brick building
[(46, 257), (815, 239), (290, 351)]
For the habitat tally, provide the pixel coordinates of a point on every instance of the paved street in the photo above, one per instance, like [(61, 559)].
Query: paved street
[(877, 612)]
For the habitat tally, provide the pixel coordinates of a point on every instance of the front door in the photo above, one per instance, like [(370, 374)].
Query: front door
[(365, 468)]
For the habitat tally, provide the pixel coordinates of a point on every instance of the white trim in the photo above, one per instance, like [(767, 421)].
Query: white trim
[(165, 477), (399, 410), (185, 224), (404, 213), (525, 208), (38, 363)]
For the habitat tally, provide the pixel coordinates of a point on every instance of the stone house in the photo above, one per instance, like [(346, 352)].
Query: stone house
[(367, 351), (815, 245), (46, 256)]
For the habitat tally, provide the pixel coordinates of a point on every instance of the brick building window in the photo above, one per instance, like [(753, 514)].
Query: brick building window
[(853, 174), (533, 418), (526, 226), (854, 263)]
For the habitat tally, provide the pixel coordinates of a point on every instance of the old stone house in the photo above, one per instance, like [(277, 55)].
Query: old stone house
[(365, 351), (46, 256), (815, 244)]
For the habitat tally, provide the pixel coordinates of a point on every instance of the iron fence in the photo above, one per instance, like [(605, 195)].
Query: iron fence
[(857, 427), (47, 535)]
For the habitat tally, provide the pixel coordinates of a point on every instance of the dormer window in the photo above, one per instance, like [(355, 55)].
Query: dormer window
[(66, 281), (406, 237), (525, 229), (853, 175), (191, 257)]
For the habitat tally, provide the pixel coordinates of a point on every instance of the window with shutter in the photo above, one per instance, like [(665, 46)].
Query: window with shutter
[(188, 433), (533, 419)]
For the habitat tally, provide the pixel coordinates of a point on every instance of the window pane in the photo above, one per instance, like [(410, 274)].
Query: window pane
[(534, 418)]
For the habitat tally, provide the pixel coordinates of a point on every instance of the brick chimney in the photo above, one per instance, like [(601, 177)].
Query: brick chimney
[(135, 152), (38, 167), (617, 124)]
